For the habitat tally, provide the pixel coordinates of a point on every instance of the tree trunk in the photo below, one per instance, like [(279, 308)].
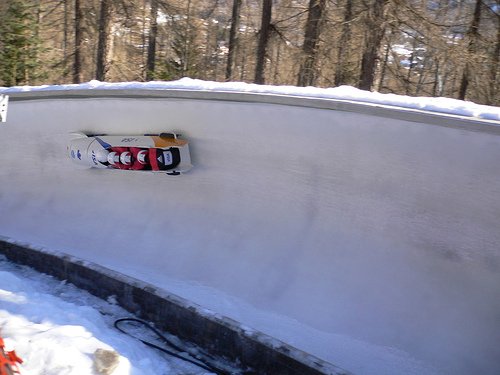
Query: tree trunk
[(233, 38), (373, 39), (265, 31), (153, 32), (307, 71), (77, 62), (380, 84), (66, 30), (33, 54), (102, 46), (492, 97), (344, 46), (472, 34), (409, 73)]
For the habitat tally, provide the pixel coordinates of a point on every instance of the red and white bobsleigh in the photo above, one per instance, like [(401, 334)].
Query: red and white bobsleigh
[(163, 153)]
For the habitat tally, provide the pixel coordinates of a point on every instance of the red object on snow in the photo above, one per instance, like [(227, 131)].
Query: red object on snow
[(8, 361)]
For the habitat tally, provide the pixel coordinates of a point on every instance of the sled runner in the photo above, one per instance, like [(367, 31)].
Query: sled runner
[(162, 153)]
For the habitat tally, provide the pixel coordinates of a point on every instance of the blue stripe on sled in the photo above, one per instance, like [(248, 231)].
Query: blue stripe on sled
[(103, 144)]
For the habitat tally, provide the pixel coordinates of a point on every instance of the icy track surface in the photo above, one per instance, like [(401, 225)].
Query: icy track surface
[(56, 329), (370, 242)]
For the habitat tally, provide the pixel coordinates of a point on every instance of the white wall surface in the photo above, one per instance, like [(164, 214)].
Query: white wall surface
[(368, 241)]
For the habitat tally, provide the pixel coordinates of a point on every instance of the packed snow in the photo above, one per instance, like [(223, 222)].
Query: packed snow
[(349, 93), (369, 242), (56, 329)]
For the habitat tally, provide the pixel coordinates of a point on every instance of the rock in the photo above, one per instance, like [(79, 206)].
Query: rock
[(106, 361)]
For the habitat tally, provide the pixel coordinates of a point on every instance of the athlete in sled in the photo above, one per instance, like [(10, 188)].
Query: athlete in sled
[(163, 153)]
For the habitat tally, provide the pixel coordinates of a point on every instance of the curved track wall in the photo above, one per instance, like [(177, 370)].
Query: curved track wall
[(366, 226)]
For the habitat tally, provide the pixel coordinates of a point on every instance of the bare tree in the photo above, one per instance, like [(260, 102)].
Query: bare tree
[(344, 46), (77, 60), (153, 32), (375, 29), (307, 71), (472, 36), (66, 28), (233, 38), (493, 99), (264, 33), (102, 46), (442, 47)]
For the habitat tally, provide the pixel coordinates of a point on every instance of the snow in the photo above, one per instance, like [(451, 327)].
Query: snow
[(349, 93), (369, 242), (56, 329)]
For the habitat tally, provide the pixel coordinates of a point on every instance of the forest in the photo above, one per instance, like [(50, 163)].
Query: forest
[(440, 48)]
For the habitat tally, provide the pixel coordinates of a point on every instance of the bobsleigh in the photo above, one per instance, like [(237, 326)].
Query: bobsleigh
[(162, 153)]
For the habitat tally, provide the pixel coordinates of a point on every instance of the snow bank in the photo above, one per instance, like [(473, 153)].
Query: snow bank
[(56, 329), (439, 105)]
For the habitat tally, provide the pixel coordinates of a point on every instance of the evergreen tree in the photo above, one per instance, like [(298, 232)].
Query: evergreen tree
[(19, 44)]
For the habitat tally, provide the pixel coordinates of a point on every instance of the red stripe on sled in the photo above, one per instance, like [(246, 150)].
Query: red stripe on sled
[(152, 159)]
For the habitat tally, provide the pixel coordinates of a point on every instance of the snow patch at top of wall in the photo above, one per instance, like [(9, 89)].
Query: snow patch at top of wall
[(439, 105)]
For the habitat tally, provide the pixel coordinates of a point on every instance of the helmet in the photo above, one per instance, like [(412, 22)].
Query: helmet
[(126, 158), (113, 158), (142, 156), (102, 156)]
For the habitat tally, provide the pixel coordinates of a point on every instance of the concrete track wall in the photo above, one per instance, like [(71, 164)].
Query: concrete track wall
[(352, 222)]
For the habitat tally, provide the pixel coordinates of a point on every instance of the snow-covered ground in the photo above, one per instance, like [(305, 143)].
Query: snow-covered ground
[(369, 242), (56, 329)]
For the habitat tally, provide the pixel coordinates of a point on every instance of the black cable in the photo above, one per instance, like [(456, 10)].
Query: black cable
[(195, 361)]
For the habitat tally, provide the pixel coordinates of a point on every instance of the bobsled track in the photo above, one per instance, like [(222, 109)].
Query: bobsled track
[(364, 235)]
